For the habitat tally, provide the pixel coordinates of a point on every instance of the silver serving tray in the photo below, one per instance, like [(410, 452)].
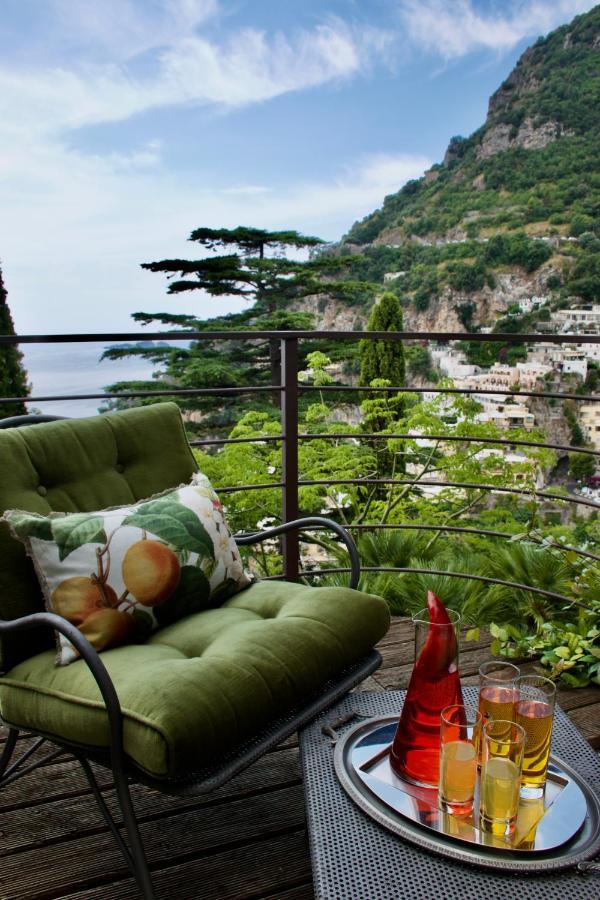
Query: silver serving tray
[(558, 832)]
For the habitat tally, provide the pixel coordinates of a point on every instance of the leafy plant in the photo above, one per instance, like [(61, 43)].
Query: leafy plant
[(569, 650)]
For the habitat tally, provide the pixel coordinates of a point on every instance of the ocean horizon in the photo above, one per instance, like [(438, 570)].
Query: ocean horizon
[(55, 369)]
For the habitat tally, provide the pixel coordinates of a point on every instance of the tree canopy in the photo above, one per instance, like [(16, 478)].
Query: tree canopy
[(13, 377), (260, 272), (383, 359)]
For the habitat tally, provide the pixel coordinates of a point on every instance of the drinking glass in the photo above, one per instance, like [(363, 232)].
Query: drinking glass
[(498, 690), (502, 760), (534, 712), (460, 731)]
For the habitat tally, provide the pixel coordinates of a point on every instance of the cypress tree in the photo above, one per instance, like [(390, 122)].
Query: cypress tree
[(13, 377), (382, 363), (383, 359)]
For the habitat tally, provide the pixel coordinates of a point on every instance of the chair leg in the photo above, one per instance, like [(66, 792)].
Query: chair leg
[(133, 854), (138, 854), (9, 747)]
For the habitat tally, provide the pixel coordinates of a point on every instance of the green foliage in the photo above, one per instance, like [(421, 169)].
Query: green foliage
[(270, 283), (585, 277), (13, 378), (517, 249), (383, 359), (463, 277), (419, 363), (570, 650), (581, 466)]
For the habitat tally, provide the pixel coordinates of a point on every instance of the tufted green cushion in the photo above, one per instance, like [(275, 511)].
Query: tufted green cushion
[(79, 465), (205, 683)]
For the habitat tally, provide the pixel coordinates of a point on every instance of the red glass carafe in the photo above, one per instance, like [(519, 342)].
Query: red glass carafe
[(434, 684)]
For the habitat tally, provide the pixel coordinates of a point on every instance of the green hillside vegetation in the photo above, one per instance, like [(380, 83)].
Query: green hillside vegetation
[(518, 193)]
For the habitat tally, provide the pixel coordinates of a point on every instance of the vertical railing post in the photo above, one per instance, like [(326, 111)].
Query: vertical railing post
[(289, 453)]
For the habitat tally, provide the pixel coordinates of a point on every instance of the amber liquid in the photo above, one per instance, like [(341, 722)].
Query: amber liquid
[(458, 772), (499, 795), (496, 702), (535, 716)]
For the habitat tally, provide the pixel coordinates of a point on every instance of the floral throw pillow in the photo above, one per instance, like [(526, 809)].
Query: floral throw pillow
[(118, 574)]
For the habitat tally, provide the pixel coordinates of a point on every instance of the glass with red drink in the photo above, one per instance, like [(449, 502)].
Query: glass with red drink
[(434, 684)]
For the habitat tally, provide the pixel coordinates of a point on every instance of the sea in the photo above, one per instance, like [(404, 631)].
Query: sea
[(55, 369)]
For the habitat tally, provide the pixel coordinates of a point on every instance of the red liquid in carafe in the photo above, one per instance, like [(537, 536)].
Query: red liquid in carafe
[(434, 684)]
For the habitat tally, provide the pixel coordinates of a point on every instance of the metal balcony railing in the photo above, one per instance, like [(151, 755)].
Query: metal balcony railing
[(289, 392)]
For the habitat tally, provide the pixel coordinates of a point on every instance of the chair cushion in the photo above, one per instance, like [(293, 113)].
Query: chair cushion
[(79, 465), (203, 684), (117, 574)]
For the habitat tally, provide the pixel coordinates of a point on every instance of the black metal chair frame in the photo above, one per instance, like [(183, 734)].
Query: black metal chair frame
[(124, 770)]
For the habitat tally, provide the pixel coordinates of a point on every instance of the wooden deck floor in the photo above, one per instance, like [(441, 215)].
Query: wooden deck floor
[(248, 840)]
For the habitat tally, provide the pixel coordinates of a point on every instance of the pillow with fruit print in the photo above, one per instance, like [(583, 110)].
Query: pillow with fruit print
[(119, 574)]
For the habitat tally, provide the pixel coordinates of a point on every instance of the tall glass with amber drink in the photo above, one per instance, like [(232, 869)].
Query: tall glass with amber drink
[(534, 712), (497, 691), (460, 733)]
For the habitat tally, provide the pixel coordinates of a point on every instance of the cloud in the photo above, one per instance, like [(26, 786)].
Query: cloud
[(251, 68), (90, 27), (73, 237), (247, 67), (76, 224), (453, 28)]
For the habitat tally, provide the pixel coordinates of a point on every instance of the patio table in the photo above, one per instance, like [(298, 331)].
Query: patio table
[(353, 858)]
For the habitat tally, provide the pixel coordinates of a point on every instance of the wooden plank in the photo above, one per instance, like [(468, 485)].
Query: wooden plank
[(271, 868), (47, 823), (53, 782), (72, 863), (401, 637), (575, 698), (401, 629), (397, 677), (587, 720)]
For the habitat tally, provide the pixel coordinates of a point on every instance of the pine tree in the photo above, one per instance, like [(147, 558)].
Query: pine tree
[(252, 265), (13, 377), (383, 359)]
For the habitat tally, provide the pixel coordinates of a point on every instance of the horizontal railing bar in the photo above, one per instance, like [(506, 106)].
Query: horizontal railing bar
[(464, 530), (584, 398), (588, 398), (449, 437), (441, 336), (568, 498), (251, 487), (461, 529), (484, 578), (123, 395), (251, 440)]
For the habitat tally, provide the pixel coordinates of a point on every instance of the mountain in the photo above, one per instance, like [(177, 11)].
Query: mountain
[(513, 211)]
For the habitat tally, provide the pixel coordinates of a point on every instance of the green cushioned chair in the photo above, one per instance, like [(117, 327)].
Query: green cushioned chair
[(200, 699)]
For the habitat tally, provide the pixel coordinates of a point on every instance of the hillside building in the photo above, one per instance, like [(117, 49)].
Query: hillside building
[(589, 419)]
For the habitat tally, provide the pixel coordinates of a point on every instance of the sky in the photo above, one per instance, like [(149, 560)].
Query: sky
[(125, 124)]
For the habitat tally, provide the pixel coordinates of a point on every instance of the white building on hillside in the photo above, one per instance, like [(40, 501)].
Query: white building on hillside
[(578, 321), (452, 362), (506, 414)]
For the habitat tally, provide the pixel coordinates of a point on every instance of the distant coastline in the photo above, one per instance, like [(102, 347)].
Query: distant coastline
[(55, 369)]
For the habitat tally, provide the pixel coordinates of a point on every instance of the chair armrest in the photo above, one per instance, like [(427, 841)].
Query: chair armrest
[(91, 658), (312, 522)]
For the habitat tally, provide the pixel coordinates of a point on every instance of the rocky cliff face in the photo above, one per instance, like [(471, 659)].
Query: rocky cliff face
[(528, 136), (490, 303), (330, 314)]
